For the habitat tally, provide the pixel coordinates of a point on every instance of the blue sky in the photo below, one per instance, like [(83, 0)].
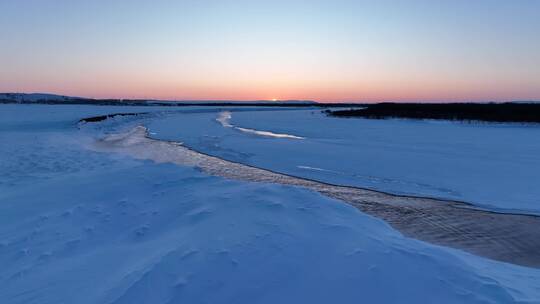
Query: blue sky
[(322, 50)]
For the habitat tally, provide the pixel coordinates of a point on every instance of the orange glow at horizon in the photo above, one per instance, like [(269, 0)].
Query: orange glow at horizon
[(331, 91)]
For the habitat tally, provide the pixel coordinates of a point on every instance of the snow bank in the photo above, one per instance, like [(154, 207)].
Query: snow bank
[(503, 237), (144, 233)]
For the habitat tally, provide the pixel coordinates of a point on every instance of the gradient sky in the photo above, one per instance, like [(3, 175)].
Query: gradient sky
[(455, 50)]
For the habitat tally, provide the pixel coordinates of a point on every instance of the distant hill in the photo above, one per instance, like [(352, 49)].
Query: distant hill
[(41, 98), (34, 97)]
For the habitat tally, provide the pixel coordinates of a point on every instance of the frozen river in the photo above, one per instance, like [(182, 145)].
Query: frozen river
[(495, 166)]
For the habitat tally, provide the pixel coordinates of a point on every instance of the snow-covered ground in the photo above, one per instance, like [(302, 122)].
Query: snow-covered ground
[(77, 226), (490, 165)]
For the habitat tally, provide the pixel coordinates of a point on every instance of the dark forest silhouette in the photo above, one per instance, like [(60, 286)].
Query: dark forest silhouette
[(492, 112)]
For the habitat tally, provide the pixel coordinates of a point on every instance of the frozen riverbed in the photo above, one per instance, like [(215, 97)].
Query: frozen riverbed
[(490, 165)]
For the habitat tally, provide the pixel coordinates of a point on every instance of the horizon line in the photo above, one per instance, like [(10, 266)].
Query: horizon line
[(276, 100)]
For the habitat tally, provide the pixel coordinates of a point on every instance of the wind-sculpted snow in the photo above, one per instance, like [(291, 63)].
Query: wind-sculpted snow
[(148, 233), (86, 227), (506, 237)]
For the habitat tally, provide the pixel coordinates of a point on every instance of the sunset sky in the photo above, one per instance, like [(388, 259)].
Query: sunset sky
[(432, 50)]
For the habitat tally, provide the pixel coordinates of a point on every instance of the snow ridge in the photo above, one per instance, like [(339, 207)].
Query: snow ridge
[(500, 236), (224, 118)]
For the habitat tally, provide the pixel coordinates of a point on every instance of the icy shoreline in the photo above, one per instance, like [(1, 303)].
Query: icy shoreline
[(499, 236)]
